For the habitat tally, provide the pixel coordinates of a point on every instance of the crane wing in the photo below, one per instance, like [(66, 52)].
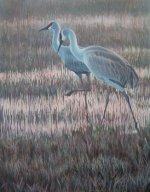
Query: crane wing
[(107, 66), (72, 63)]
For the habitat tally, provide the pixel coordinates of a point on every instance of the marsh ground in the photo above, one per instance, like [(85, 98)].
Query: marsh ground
[(32, 106)]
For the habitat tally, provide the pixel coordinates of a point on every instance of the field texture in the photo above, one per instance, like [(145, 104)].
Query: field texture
[(44, 142)]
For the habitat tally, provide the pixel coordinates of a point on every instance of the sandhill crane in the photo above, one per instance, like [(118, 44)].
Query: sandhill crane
[(105, 65), (67, 57)]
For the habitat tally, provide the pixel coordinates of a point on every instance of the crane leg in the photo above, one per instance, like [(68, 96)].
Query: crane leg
[(128, 101), (106, 105), (86, 107), (81, 80), (81, 89), (88, 81)]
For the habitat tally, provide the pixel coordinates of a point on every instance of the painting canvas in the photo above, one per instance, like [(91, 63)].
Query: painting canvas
[(54, 135)]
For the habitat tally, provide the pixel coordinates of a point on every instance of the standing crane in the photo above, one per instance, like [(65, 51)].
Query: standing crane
[(105, 65), (67, 57)]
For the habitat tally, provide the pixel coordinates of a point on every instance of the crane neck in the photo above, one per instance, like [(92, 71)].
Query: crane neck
[(75, 49), (55, 40)]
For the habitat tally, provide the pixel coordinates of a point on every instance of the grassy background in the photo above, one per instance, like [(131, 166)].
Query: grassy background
[(34, 156)]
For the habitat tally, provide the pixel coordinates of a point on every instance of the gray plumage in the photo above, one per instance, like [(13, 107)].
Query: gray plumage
[(70, 62), (105, 65)]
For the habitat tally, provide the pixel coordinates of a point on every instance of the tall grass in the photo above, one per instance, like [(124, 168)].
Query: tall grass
[(24, 48), (55, 8), (44, 142), (107, 160), (31, 69)]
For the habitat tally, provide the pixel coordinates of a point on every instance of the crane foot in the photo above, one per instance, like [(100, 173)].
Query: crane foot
[(69, 93)]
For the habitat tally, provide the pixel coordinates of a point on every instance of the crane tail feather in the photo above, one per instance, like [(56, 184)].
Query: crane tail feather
[(133, 78)]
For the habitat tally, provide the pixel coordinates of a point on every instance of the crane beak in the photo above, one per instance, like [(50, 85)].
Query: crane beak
[(60, 44), (43, 29), (60, 41), (47, 27)]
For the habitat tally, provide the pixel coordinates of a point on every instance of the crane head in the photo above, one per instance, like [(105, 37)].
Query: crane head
[(47, 27)]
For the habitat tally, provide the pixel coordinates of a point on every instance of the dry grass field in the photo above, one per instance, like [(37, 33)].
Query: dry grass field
[(44, 145)]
